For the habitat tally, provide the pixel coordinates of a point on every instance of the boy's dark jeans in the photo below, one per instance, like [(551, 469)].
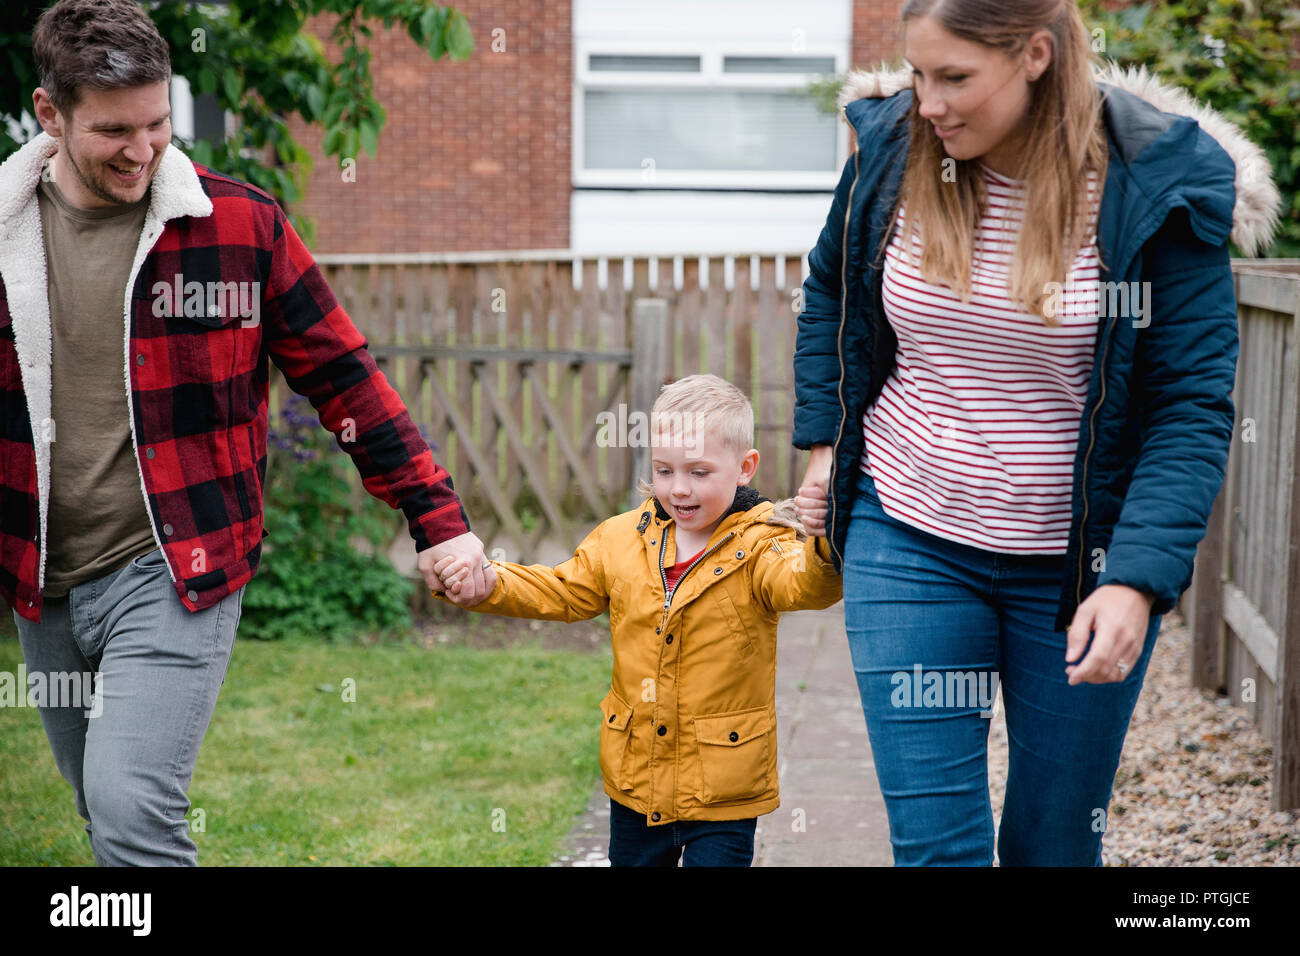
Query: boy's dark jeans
[(633, 842)]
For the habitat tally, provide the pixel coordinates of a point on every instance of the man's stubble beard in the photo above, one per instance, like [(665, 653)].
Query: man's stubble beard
[(97, 188)]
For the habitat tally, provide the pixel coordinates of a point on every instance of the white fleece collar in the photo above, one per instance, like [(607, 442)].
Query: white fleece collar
[(174, 192)]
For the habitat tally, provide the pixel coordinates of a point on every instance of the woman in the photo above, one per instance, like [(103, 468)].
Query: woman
[(1013, 371)]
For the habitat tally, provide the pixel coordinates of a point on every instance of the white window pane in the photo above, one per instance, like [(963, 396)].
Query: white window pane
[(778, 64), (707, 130), (644, 64)]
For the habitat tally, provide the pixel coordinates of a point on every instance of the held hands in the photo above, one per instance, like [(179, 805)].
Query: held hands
[(1117, 615), (456, 574), (811, 504), (461, 560)]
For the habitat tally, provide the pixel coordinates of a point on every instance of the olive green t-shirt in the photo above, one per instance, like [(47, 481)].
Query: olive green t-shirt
[(97, 519)]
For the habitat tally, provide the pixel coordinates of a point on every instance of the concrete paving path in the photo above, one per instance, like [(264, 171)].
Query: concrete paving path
[(831, 811)]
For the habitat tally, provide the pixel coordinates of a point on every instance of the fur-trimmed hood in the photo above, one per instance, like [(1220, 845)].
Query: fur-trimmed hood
[(1258, 202)]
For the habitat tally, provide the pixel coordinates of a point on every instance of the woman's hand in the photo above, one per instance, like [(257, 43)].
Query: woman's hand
[(1117, 616), (811, 502)]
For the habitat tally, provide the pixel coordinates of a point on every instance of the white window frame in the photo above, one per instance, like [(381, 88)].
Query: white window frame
[(710, 77)]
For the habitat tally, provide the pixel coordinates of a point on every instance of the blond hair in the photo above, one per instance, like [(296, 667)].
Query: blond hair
[(697, 406), (700, 405), (1065, 142)]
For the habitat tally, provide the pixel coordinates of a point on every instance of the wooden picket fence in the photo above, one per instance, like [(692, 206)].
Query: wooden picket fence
[(523, 366), (1244, 602)]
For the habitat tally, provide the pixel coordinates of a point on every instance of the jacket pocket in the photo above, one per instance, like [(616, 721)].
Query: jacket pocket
[(150, 562), (209, 344), (615, 740), (735, 755)]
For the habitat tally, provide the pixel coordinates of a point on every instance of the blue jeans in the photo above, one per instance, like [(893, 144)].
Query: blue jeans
[(159, 667), (633, 842), (934, 628)]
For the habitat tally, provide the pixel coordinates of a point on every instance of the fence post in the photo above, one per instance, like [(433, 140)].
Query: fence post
[(1206, 616), (649, 370), (1286, 744)]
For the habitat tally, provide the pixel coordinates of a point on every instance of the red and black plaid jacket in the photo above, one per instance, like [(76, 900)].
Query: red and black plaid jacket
[(196, 370)]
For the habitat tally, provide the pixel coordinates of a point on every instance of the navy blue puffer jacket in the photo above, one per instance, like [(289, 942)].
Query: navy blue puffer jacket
[(1158, 420)]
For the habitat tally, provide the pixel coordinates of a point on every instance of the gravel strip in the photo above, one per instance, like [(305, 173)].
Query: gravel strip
[(1194, 781)]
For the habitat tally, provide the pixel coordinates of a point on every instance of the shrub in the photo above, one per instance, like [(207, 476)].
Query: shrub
[(324, 569), (1232, 55)]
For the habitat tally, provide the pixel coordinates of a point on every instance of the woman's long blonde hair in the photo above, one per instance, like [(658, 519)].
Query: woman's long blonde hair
[(1065, 141)]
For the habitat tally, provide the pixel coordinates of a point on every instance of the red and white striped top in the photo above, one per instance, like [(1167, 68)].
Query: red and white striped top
[(974, 434)]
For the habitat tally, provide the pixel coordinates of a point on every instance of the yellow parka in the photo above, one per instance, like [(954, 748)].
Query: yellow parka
[(688, 728)]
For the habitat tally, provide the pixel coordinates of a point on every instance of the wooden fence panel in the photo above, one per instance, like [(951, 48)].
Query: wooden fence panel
[(690, 311), (1245, 596)]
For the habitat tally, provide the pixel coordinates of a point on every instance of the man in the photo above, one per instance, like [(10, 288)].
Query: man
[(141, 296)]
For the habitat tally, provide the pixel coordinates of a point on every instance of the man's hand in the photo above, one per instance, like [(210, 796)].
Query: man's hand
[(454, 572), (1117, 616), (481, 577)]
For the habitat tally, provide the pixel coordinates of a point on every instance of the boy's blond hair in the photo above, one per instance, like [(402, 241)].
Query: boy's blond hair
[(699, 405), (712, 406)]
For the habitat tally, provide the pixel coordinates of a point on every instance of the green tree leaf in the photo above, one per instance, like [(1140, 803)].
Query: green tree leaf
[(230, 86), (370, 136), (460, 39), (264, 69), (315, 101)]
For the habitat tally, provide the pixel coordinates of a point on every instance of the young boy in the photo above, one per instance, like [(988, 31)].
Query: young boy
[(695, 579)]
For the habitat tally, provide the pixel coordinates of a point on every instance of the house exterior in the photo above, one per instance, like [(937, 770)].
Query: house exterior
[(603, 126)]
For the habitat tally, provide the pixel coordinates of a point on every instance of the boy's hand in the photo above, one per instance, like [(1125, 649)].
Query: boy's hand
[(812, 507)]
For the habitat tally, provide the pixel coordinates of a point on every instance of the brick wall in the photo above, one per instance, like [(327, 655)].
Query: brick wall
[(875, 32), (475, 155)]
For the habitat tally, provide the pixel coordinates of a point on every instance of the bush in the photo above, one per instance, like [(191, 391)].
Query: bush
[(324, 569), (1234, 56), (1231, 55)]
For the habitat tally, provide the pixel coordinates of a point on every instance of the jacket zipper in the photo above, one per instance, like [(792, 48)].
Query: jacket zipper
[(668, 600), (663, 575), (844, 414), (1092, 435)]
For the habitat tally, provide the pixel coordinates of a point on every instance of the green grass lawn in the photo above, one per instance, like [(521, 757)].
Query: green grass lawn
[(448, 756)]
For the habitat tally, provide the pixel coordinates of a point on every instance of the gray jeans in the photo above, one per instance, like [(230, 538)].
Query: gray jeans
[(157, 671)]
